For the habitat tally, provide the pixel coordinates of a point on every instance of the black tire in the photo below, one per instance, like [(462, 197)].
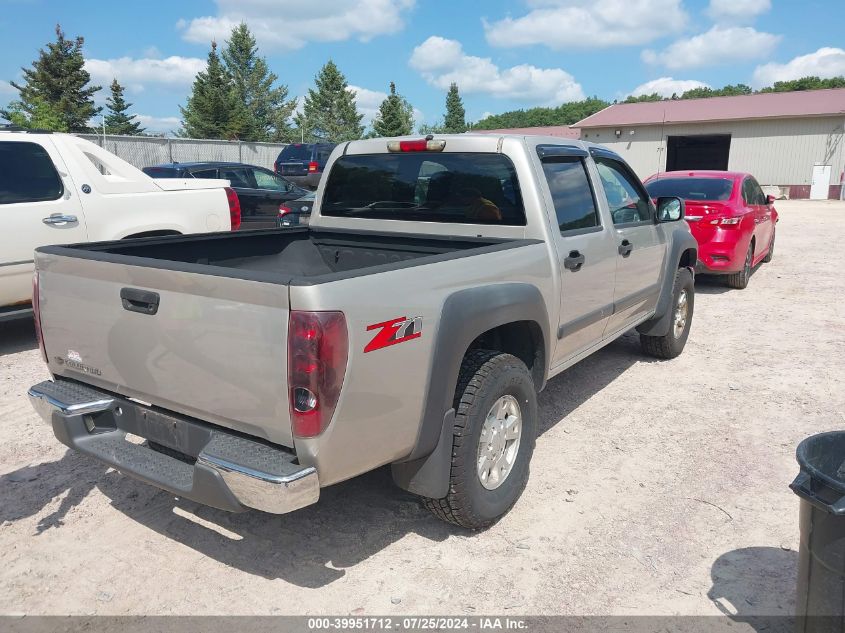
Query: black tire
[(771, 254), (485, 377), (671, 345), (740, 280)]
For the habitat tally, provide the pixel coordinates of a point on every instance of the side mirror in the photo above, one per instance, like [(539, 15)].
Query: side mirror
[(670, 209), (770, 200)]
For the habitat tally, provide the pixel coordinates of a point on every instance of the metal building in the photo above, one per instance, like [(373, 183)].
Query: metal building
[(790, 140)]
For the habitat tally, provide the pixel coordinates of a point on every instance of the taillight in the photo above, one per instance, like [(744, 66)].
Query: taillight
[(417, 145), (234, 208), (313, 166), (284, 210), (727, 221), (36, 313), (318, 347)]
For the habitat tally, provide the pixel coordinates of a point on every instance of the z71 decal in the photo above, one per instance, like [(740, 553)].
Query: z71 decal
[(395, 331)]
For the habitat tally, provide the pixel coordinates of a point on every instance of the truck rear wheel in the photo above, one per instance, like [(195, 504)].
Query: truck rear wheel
[(494, 435), (683, 302)]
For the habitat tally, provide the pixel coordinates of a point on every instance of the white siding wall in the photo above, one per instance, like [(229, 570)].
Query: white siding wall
[(776, 151)]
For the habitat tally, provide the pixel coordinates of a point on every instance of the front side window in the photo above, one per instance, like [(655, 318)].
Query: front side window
[(628, 203), (571, 192), (27, 174), (458, 187), (269, 180)]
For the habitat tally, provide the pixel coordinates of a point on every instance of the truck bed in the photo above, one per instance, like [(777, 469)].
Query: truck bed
[(290, 256)]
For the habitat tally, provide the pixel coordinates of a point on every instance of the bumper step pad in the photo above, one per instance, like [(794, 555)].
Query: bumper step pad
[(230, 472)]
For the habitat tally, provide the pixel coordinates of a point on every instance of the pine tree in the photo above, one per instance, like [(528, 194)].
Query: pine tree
[(117, 120), (395, 117), (455, 119), (59, 82), (213, 109), (268, 110), (329, 113)]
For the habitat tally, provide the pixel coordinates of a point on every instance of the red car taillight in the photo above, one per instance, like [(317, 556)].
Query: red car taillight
[(318, 347), (234, 208), (313, 167), (36, 313), (732, 221), (284, 210)]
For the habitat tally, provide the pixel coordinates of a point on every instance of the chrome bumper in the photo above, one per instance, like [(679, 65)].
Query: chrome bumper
[(190, 459)]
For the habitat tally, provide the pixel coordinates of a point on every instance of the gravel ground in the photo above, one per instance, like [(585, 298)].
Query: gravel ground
[(656, 487)]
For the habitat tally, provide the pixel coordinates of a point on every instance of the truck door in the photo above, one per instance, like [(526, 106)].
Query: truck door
[(586, 250), (640, 248), (39, 206)]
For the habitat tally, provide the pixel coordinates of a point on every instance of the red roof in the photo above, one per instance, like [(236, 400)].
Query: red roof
[(808, 103), (563, 131)]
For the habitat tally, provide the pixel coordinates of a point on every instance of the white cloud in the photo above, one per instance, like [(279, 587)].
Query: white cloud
[(442, 61), (719, 45), (290, 24), (158, 124), (737, 10), (824, 63), (135, 73), (667, 86), (563, 24), (7, 89)]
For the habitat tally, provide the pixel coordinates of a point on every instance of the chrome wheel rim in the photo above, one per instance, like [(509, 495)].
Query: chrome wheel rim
[(499, 442), (681, 313)]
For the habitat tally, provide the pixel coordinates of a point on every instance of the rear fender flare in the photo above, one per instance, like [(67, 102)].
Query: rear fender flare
[(466, 315)]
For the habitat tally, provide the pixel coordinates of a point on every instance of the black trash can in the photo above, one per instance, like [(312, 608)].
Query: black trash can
[(820, 603)]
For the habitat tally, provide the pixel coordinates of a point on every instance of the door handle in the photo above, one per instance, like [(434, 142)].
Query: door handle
[(625, 248), (574, 261), (137, 300), (59, 218)]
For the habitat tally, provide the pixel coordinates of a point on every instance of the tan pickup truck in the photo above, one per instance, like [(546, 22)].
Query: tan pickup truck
[(441, 283)]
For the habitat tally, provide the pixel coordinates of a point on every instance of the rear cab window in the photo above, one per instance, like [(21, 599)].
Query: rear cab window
[(27, 174), (455, 187)]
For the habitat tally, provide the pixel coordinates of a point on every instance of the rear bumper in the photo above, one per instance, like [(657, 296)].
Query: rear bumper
[(308, 180), (722, 251), (191, 459)]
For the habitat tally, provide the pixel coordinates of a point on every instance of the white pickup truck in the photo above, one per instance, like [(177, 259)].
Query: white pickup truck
[(61, 189)]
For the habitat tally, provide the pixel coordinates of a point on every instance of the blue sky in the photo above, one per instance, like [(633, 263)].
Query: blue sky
[(504, 54)]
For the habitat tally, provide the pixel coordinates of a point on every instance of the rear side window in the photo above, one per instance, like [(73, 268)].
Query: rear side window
[(205, 173), (161, 172), (572, 193), (459, 187), (27, 174)]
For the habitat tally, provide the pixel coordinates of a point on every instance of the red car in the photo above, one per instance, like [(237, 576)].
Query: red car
[(729, 215)]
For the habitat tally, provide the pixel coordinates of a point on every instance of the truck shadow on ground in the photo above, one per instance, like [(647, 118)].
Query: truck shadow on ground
[(570, 389), (17, 336), (756, 586), (353, 520)]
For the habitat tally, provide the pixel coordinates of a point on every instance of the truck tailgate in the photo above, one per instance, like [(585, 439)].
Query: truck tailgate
[(215, 348)]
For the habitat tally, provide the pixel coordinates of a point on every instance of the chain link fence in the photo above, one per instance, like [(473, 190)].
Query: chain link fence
[(144, 151)]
